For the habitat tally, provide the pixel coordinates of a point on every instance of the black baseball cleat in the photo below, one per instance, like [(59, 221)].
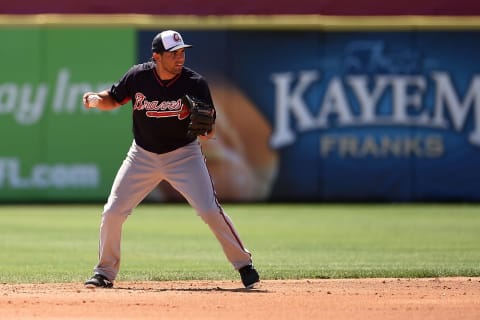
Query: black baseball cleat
[(98, 281), (249, 276)]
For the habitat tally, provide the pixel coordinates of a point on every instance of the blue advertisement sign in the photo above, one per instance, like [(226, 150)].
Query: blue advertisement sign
[(349, 116)]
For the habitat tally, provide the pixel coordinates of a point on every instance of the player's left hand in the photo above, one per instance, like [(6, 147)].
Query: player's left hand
[(202, 117)]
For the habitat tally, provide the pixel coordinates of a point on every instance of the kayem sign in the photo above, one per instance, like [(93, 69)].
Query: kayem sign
[(406, 98), (361, 116)]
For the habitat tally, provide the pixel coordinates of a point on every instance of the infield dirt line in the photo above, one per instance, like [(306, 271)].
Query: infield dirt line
[(429, 298)]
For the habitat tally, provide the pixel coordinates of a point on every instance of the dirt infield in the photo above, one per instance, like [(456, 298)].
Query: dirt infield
[(436, 299)]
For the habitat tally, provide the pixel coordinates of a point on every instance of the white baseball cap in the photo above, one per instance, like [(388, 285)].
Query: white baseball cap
[(168, 40)]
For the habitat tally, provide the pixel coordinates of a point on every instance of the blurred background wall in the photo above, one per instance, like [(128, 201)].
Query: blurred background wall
[(327, 101), (222, 7)]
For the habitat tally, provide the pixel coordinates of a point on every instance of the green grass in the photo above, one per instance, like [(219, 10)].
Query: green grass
[(58, 243)]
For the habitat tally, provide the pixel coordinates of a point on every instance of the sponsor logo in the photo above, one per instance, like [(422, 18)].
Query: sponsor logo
[(376, 89), (27, 103), (365, 101), (46, 176)]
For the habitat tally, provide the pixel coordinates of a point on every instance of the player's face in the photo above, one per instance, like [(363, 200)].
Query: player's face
[(172, 62)]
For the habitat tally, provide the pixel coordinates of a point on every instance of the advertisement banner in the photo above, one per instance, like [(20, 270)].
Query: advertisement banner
[(52, 148), (301, 115), (346, 116)]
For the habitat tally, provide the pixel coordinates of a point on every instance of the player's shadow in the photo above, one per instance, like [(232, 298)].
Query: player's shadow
[(216, 289)]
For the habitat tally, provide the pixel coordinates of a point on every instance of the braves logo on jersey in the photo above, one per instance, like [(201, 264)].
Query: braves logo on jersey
[(164, 109)]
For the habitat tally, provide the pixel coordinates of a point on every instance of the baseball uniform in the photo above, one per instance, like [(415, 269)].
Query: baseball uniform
[(162, 150)]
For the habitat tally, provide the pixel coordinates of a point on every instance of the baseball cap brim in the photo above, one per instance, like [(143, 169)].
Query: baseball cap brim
[(179, 47)]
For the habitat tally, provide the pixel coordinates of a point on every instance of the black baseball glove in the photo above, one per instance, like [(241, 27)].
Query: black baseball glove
[(202, 116)]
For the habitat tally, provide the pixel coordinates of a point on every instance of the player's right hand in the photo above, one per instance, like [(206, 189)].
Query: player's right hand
[(91, 100)]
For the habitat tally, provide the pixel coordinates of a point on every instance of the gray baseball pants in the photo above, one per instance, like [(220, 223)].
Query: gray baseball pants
[(185, 169)]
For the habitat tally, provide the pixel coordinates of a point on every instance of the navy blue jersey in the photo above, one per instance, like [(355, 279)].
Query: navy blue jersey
[(160, 120)]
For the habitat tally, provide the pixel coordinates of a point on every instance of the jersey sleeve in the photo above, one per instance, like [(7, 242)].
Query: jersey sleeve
[(121, 91)]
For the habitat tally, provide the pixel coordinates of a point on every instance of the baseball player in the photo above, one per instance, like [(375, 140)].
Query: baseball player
[(172, 107)]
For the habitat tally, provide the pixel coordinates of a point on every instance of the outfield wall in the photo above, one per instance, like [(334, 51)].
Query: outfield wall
[(317, 114)]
